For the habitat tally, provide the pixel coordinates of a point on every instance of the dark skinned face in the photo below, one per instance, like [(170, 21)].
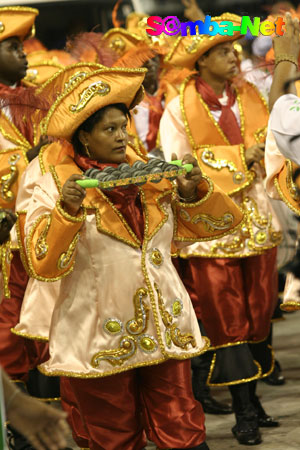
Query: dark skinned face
[(13, 62), (150, 81), (108, 139), (221, 62)]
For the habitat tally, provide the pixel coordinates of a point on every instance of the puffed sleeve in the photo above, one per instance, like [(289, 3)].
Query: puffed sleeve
[(51, 234), (212, 216)]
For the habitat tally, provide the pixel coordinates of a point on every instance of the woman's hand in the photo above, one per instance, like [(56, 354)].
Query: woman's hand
[(254, 154), (7, 221), (73, 194), (187, 184)]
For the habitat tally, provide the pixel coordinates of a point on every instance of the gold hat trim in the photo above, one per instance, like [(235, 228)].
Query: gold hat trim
[(124, 32), (226, 16), (45, 122), (19, 8)]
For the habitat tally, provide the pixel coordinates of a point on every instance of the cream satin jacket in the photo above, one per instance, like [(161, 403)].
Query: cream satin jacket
[(121, 303)]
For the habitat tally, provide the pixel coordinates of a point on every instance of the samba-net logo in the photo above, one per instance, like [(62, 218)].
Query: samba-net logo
[(171, 26)]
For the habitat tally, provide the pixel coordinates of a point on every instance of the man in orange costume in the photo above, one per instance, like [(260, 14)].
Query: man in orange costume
[(232, 280)]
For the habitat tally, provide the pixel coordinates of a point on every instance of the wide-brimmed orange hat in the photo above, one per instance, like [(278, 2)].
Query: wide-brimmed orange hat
[(41, 67), (17, 21), (188, 49), (121, 40), (81, 99)]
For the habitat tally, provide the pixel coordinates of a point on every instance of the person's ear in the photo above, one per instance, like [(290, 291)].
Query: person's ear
[(83, 137)]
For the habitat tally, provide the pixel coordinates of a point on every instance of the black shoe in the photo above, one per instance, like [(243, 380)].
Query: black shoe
[(247, 433), (264, 420), (202, 446), (275, 378), (212, 406), (246, 430)]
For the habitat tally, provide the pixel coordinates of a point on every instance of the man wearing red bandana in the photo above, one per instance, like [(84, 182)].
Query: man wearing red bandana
[(231, 280)]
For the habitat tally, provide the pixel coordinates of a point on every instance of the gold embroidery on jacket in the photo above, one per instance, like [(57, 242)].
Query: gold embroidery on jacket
[(135, 328), (179, 339), (139, 324), (41, 246), (214, 223), (66, 257), (8, 180), (208, 157)]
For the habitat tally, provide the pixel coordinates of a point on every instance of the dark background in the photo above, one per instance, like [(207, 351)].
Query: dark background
[(60, 19)]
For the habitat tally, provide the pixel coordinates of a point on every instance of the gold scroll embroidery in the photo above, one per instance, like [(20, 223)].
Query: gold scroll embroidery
[(135, 328), (65, 258), (209, 158), (41, 246), (98, 88), (6, 181), (214, 223), (173, 333)]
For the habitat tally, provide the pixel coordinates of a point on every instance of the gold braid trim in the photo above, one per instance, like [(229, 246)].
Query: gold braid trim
[(29, 336), (6, 256), (231, 383), (29, 246), (284, 199), (182, 357), (290, 306), (80, 216), (20, 9)]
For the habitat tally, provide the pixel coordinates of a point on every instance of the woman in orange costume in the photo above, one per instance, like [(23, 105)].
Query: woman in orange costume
[(125, 346), (232, 281)]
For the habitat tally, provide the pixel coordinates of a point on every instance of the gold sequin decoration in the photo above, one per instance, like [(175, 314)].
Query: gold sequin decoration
[(185, 215), (41, 246), (113, 326), (2, 27), (6, 181), (147, 343), (260, 237), (118, 45), (155, 256), (179, 339), (177, 307), (97, 88)]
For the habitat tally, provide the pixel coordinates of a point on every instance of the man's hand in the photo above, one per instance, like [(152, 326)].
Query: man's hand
[(288, 44), (7, 221), (192, 11), (73, 194), (254, 154), (187, 184), (34, 151), (45, 427)]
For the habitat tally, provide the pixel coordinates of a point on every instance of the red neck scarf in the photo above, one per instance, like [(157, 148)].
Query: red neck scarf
[(127, 201), (227, 122)]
